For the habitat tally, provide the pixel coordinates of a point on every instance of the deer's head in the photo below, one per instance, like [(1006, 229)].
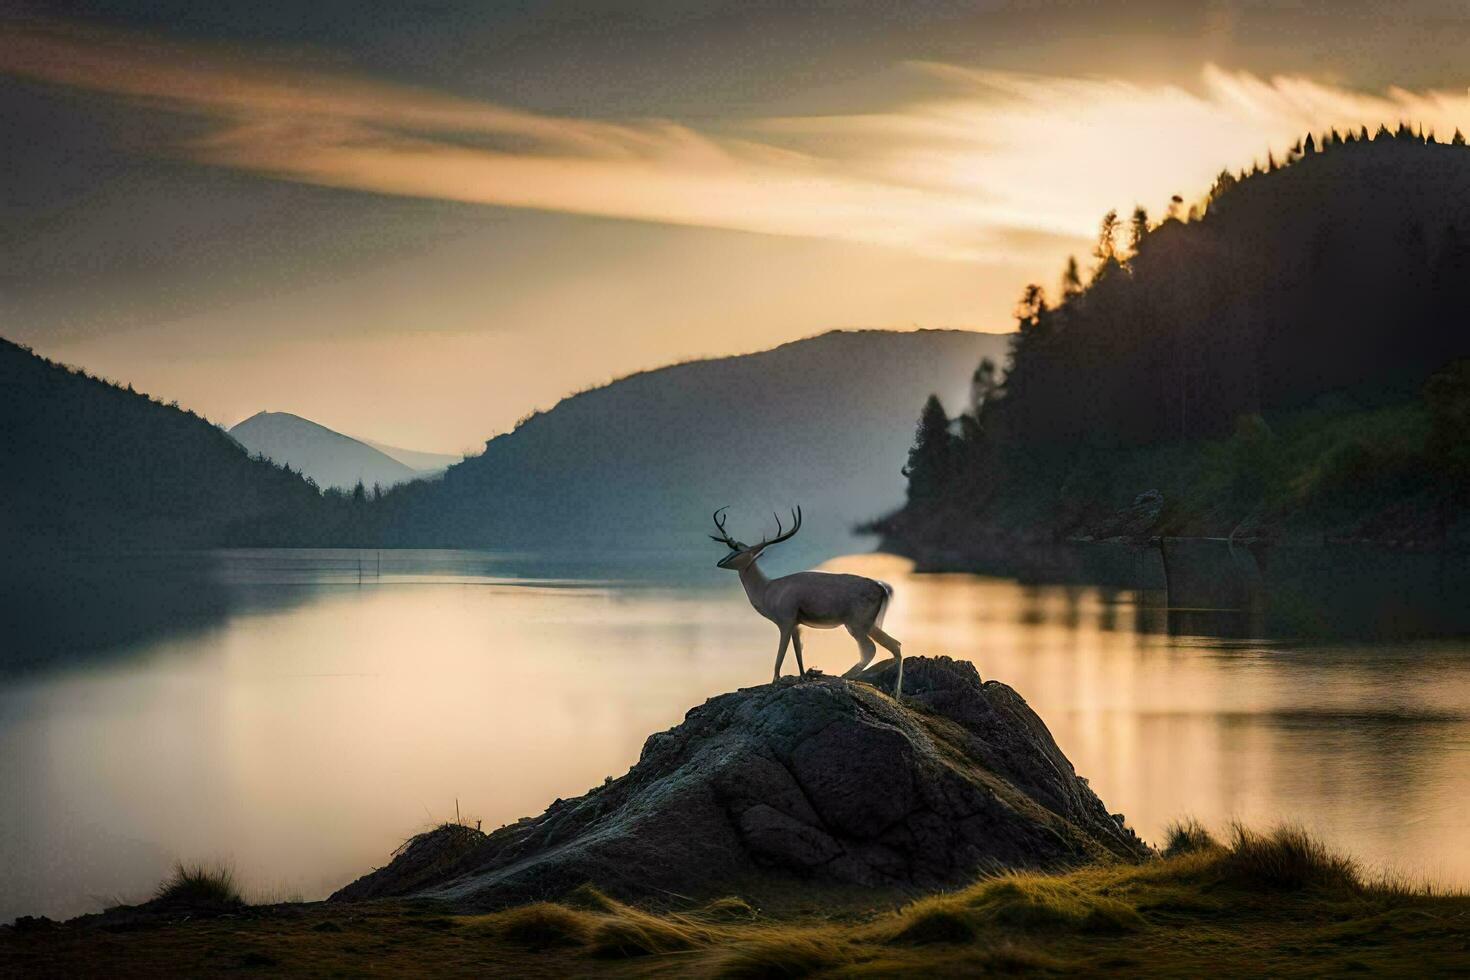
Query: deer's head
[(742, 555)]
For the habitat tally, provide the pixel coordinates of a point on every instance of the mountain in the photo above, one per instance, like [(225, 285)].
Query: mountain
[(328, 457), (87, 463), (642, 462), (427, 464), (1289, 362)]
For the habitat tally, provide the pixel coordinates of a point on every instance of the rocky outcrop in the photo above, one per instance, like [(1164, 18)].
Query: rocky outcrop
[(1136, 522), (816, 780)]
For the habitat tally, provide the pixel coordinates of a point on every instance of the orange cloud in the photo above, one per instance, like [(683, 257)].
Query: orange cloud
[(995, 158)]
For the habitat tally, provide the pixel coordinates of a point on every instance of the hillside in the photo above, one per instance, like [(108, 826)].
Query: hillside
[(89, 464), (315, 451), (823, 422), (1282, 364), (427, 464)]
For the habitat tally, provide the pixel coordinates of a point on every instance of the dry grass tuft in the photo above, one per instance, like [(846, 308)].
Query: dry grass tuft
[(591, 899), (198, 884), (1008, 957), (783, 958), (731, 908), (1286, 859), (1187, 836), (545, 925), (1042, 902), (936, 921), (635, 933)]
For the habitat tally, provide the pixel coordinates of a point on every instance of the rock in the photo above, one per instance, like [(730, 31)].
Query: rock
[(819, 781), (1135, 522)]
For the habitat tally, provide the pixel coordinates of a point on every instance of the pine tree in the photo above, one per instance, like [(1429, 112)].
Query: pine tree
[(1106, 250), (1137, 229), (1071, 280), (984, 384), (1308, 146), (1223, 183), (1031, 308), (1458, 139), (931, 459)]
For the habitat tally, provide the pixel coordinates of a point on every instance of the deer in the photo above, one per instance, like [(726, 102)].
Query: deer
[(822, 600)]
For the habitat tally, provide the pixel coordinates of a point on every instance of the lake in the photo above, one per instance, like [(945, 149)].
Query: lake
[(300, 713)]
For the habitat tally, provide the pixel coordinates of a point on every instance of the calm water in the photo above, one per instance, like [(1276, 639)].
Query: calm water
[(300, 713)]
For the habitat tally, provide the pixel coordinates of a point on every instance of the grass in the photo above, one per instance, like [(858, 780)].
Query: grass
[(195, 884), (1276, 902), (1287, 859), (1187, 836), (544, 925)]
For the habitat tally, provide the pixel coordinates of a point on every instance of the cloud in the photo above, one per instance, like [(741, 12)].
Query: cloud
[(989, 163)]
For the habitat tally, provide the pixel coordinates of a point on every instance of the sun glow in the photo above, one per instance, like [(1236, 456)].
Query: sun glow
[(988, 163)]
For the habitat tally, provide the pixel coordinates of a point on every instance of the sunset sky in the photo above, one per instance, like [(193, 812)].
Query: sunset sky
[(418, 222)]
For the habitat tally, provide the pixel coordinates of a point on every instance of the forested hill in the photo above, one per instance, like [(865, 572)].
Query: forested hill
[(86, 463), (643, 461), (330, 458), (1278, 342)]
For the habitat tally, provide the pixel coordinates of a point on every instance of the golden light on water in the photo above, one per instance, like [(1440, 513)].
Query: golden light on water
[(323, 722)]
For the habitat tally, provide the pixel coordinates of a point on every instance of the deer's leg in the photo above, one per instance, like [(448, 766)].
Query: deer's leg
[(894, 647), (866, 650), (781, 654), (796, 648)]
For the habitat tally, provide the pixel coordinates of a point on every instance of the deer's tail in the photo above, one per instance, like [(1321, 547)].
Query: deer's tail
[(883, 606)]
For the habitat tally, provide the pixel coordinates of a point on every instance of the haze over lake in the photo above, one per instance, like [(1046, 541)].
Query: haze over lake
[(301, 713)]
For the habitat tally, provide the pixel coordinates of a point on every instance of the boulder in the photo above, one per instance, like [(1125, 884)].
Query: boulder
[(1136, 522), (813, 781)]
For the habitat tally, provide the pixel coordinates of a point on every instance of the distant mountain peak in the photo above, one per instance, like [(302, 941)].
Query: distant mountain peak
[(327, 456)]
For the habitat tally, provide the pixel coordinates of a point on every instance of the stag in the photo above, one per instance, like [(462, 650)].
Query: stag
[(823, 600)]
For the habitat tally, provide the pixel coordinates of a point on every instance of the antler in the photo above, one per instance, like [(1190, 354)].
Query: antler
[(724, 536), (795, 526), (781, 533)]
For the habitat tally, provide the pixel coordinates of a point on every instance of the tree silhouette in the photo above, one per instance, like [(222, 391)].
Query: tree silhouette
[(1313, 282), (1106, 250), (931, 459), (1071, 279), (1137, 229), (984, 385)]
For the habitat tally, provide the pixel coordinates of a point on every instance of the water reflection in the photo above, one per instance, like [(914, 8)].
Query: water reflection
[(1368, 742), (310, 715)]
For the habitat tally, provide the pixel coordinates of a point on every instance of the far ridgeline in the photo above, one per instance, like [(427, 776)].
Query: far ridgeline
[(809, 785), (638, 462), (1287, 360), (87, 463)]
